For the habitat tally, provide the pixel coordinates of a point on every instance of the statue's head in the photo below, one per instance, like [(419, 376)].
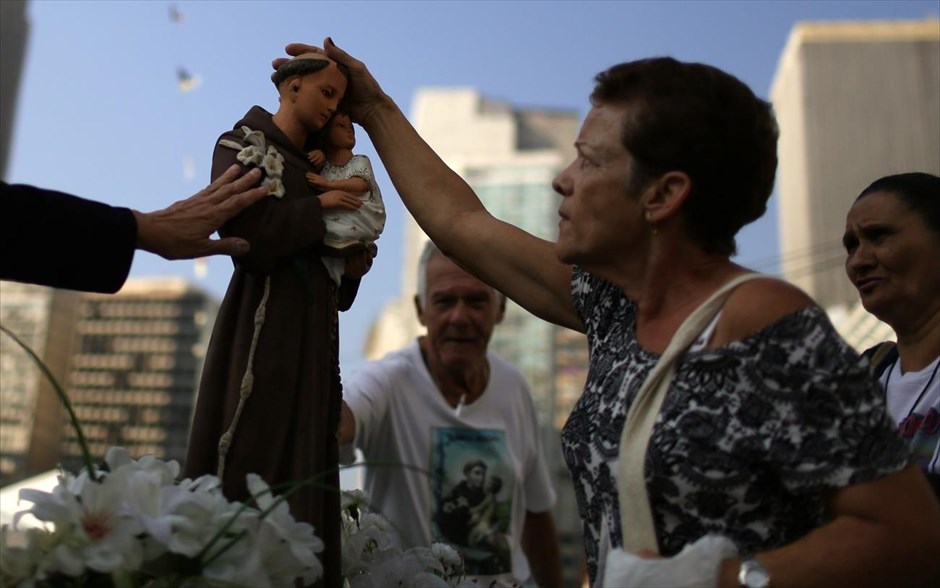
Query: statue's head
[(312, 85)]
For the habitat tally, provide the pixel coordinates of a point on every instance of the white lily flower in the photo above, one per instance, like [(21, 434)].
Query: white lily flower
[(166, 471), (392, 568), (273, 163), (275, 186), (354, 499), (251, 155), (371, 543), (240, 564), (204, 483), (196, 518), (22, 564), (91, 531), (231, 144), (255, 138), (446, 554), (291, 547)]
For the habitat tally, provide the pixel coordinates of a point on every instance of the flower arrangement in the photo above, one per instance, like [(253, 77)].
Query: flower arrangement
[(254, 153), (129, 523), (373, 556)]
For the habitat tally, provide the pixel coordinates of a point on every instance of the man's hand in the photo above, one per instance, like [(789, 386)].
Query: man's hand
[(359, 264), (183, 230), (338, 199), (363, 94), (346, 433)]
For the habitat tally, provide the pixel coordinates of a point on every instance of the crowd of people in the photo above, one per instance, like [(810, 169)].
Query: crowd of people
[(726, 435)]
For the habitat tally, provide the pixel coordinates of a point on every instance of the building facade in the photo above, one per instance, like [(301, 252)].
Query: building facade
[(855, 101), (509, 156), (30, 410), (135, 368)]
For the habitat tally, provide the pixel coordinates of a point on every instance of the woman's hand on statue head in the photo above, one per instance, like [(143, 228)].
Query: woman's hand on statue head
[(363, 95)]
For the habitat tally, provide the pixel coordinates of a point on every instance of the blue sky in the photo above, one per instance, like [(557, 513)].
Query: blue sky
[(100, 113)]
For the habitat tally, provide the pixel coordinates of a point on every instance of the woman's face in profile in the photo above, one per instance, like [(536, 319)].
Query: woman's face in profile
[(892, 255)]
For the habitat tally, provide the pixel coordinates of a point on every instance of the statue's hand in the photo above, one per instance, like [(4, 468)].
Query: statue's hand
[(317, 158), (317, 181), (358, 264), (339, 199)]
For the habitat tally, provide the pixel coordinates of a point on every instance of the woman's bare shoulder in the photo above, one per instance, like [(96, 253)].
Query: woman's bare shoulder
[(756, 304)]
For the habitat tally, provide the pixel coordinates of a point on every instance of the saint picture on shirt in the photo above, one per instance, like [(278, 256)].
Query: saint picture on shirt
[(472, 497)]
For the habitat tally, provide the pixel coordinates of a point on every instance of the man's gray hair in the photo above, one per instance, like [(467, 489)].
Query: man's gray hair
[(429, 251)]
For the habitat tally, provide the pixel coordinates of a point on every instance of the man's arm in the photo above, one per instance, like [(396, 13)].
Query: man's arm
[(184, 230), (347, 425), (63, 241), (540, 545)]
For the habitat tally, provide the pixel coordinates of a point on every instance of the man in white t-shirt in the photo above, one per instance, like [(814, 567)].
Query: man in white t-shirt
[(464, 416)]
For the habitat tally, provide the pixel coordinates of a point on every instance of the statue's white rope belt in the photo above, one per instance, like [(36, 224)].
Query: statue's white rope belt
[(248, 380)]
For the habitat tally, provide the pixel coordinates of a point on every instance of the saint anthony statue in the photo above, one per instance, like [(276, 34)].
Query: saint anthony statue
[(270, 395)]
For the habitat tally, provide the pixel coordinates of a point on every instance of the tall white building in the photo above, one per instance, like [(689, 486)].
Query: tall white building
[(855, 101), (509, 156)]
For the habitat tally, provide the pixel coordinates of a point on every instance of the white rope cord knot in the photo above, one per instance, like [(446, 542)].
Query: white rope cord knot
[(248, 380)]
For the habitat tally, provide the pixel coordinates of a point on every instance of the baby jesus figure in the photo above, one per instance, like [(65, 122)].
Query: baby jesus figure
[(360, 218)]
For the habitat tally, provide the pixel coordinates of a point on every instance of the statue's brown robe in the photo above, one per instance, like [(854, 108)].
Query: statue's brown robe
[(287, 430)]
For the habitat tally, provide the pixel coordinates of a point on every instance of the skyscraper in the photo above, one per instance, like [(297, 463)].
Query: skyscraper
[(509, 156), (855, 101), (136, 366), (30, 412)]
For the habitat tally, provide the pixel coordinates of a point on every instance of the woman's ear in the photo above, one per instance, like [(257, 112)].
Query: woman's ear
[(666, 195)]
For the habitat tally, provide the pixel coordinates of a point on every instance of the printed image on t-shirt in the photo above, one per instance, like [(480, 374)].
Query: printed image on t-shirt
[(922, 431), (471, 497)]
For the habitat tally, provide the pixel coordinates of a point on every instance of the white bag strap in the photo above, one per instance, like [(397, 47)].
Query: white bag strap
[(636, 519)]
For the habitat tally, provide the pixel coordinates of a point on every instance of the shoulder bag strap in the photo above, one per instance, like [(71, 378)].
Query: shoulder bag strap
[(881, 358), (636, 519)]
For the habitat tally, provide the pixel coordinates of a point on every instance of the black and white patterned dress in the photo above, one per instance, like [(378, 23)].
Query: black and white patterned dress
[(748, 438)]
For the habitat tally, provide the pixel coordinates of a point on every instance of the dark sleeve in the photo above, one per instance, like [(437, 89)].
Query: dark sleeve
[(63, 241), (276, 228)]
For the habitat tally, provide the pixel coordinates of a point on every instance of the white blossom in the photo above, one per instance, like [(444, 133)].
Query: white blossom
[(255, 138), (273, 163), (251, 155), (288, 545), (275, 186), (90, 529), (123, 520)]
